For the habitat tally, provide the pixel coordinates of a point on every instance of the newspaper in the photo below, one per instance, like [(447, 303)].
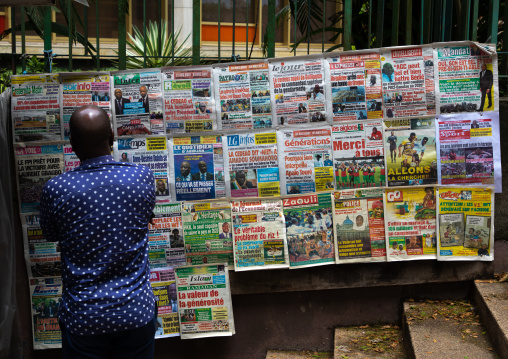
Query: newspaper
[(469, 149), (359, 226), (189, 104), (35, 166), (165, 236), (408, 82), (305, 162), (164, 288), (207, 232), (45, 299), (466, 225), (80, 89), (35, 105), (71, 160), (309, 230), (252, 165), (298, 90), (242, 91), (204, 301), (259, 235), (410, 223), (137, 102), (150, 152), (467, 78), (355, 89), (198, 167), (358, 155), (42, 257), (410, 148)]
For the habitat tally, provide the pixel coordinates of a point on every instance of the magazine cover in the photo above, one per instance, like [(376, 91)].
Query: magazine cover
[(410, 223), (204, 301), (359, 233), (163, 285), (259, 235), (309, 230), (466, 225), (45, 298), (410, 152)]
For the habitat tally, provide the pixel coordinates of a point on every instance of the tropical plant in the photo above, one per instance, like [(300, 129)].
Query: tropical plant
[(34, 65), (160, 47), (5, 79)]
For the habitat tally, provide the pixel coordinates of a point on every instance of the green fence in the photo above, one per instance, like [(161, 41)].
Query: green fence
[(356, 24)]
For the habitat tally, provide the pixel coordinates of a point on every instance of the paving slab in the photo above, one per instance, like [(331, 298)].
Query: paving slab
[(445, 329), (295, 354), (372, 342)]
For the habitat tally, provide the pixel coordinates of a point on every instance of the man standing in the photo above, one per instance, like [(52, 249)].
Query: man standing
[(120, 101), (203, 174), (486, 81), (143, 92), (99, 213), (185, 175), (392, 140)]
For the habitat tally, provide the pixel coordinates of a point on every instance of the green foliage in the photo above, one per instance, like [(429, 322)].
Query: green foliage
[(160, 44), (5, 79), (34, 65)]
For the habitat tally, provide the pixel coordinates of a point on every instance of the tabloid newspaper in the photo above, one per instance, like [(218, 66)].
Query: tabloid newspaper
[(165, 236), (198, 167), (137, 102), (410, 223), (410, 151), (252, 165), (355, 89), (204, 301), (35, 105), (71, 160), (358, 216), (163, 285), (467, 78), (207, 232), (466, 224), (42, 256), (150, 152), (469, 149), (80, 89), (46, 297), (408, 82), (242, 92), (298, 90), (358, 155), (309, 230), (189, 104), (305, 162), (35, 166), (259, 235)]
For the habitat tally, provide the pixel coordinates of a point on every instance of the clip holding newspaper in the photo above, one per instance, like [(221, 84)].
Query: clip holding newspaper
[(204, 301), (259, 239), (466, 224)]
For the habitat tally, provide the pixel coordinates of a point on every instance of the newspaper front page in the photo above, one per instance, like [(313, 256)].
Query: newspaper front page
[(259, 235), (408, 82), (71, 160), (137, 102), (35, 106), (45, 300), (410, 148), (305, 162), (466, 224), (252, 164), (298, 90), (207, 232), (410, 223), (242, 91), (204, 301), (355, 89), (358, 155), (163, 285), (358, 216), (189, 104), (469, 149), (198, 167), (309, 230)]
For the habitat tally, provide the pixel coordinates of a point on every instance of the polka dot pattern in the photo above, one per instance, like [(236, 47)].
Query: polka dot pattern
[(99, 212)]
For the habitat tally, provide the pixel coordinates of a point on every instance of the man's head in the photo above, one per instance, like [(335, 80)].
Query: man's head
[(484, 67), (393, 134), (377, 209), (176, 232), (374, 130), (202, 107), (425, 140), (202, 166), (388, 69), (143, 91), (359, 221), (161, 186), (185, 168), (240, 177), (118, 94), (394, 245), (225, 227), (90, 132), (412, 136)]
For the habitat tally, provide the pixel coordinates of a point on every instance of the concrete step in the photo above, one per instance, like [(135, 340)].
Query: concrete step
[(491, 299), (373, 342), (445, 329), (295, 354)]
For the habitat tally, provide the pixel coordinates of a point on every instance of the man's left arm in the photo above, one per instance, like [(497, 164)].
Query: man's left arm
[(47, 218)]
